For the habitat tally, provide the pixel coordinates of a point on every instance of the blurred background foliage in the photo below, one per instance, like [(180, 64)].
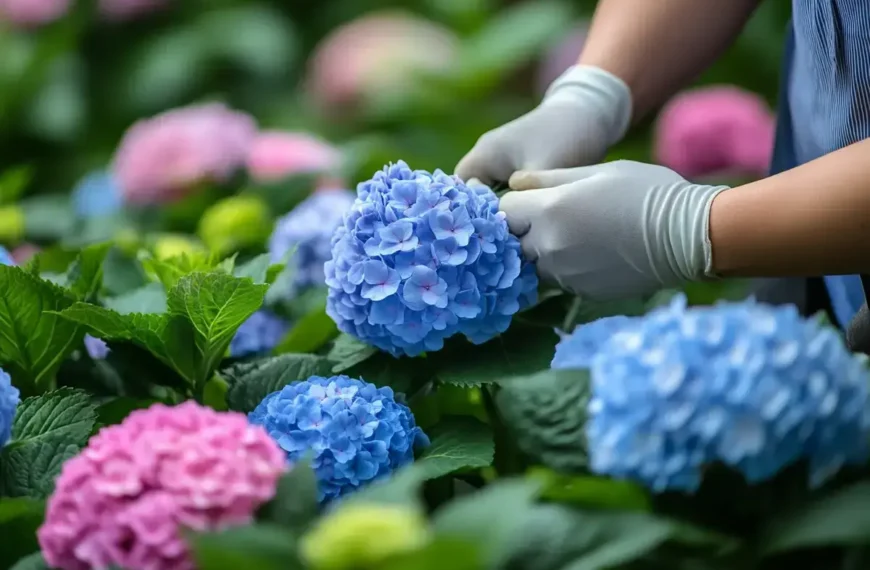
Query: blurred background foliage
[(71, 87)]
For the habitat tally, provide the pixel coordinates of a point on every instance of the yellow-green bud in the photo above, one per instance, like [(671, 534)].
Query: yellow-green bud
[(174, 245), (363, 535), (11, 224), (235, 223)]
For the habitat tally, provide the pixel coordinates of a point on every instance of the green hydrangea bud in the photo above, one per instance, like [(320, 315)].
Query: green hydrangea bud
[(235, 223), (175, 245), (363, 535), (11, 224)]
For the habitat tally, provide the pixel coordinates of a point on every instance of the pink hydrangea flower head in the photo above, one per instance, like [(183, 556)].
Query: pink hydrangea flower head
[(125, 498), (119, 10), (24, 253), (376, 53), (715, 130), (31, 13), (560, 57), (165, 157), (276, 155)]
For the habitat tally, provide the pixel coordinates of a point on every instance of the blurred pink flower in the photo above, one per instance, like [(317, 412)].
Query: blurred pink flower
[(277, 155), (715, 130), (123, 500), (24, 252), (377, 52), (127, 9), (163, 158), (560, 57), (27, 13)]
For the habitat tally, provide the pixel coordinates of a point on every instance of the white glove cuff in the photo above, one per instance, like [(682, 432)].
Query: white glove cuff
[(610, 93)]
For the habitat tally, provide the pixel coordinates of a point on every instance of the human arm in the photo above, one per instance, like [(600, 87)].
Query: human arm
[(658, 47), (810, 220)]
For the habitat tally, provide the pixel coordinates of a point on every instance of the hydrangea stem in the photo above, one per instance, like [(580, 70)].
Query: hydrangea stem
[(506, 460)]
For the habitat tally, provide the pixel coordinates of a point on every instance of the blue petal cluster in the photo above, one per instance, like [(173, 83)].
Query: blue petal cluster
[(96, 347), (259, 334), (356, 432), (422, 256), (6, 257), (752, 386), (306, 232), (9, 399), (579, 348), (96, 195)]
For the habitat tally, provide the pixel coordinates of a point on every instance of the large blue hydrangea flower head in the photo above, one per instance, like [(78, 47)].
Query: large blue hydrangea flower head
[(421, 257), (308, 229), (577, 349), (6, 257), (97, 194), (751, 386), (259, 334), (356, 432), (9, 399)]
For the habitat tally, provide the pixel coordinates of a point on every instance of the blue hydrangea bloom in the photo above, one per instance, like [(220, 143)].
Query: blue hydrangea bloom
[(9, 399), (96, 347), (577, 349), (421, 257), (355, 431), (752, 386), (96, 195), (308, 229), (6, 257), (260, 333)]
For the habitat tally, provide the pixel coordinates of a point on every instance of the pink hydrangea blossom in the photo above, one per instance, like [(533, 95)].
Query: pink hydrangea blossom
[(560, 57), (24, 253), (165, 157), (30, 13), (376, 53), (124, 499), (277, 155), (127, 9), (715, 130)]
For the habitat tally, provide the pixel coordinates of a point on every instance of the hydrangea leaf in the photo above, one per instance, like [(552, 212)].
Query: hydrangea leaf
[(260, 546), (493, 518), (122, 273), (348, 351), (47, 430), (19, 519), (170, 271), (547, 414), (33, 341), (150, 298), (591, 491), (216, 304), (33, 561), (85, 275), (250, 382), (309, 333), (457, 443), (259, 269), (841, 518), (456, 554), (295, 503), (522, 350)]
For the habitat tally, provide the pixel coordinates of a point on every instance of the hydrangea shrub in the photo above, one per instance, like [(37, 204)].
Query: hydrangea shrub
[(421, 257), (357, 432)]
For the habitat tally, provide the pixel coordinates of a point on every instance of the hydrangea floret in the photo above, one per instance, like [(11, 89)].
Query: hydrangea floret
[(421, 257), (96, 347), (355, 432), (751, 386), (123, 501), (6, 257), (259, 334), (9, 400), (307, 231), (97, 195)]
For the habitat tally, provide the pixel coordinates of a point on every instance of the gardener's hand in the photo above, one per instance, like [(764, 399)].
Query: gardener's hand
[(614, 230), (584, 112)]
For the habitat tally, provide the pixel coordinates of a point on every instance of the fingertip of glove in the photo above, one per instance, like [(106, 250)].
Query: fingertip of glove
[(523, 180)]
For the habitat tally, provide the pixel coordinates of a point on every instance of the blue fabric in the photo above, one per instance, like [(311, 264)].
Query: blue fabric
[(826, 84)]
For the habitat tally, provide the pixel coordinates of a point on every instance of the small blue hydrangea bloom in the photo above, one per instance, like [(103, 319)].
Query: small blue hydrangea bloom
[(577, 349), (96, 347), (308, 228), (356, 432), (6, 257), (9, 399), (421, 257), (259, 334), (97, 195), (755, 387)]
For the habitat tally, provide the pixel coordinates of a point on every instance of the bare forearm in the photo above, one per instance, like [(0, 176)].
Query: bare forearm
[(659, 46), (811, 220)]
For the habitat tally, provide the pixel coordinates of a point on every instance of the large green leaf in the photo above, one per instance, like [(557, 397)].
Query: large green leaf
[(591, 491), (33, 340), (457, 443), (546, 412), (260, 269), (260, 546), (85, 276), (150, 298), (295, 505), (310, 333), (19, 519), (33, 561), (47, 431), (348, 351), (250, 382), (841, 518)]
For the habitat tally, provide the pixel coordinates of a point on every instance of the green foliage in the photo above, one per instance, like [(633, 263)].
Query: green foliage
[(458, 443), (250, 382)]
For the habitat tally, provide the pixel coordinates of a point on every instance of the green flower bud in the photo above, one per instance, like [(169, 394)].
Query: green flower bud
[(175, 245), (235, 223), (11, 224)]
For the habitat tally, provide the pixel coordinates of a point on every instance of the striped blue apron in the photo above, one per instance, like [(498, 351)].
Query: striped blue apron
[(825, 101)]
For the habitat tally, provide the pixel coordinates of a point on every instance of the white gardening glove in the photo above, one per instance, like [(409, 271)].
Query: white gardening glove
[(615, 230), (583, 113)]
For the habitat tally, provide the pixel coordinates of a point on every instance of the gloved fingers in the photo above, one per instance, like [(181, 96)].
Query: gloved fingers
[(520, 209), (530, 180), (484, 163)]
